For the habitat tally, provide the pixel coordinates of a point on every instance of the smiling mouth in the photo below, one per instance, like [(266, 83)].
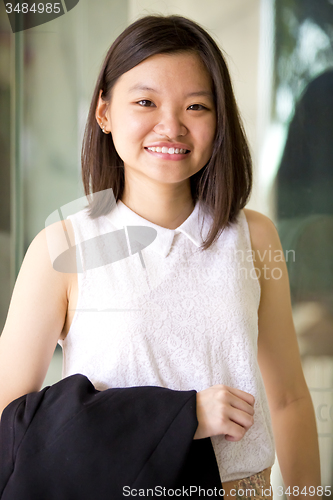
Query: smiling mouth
[(170, 151)]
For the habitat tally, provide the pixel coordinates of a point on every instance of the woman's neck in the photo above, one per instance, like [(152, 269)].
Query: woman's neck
[(165, 211)]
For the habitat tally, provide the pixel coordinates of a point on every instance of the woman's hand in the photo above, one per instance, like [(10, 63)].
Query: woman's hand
[(224, 410)]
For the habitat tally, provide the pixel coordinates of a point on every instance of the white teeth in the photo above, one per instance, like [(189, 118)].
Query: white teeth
[(170, 151)]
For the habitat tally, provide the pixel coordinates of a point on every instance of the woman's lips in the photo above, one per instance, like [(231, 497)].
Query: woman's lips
[(167, 156)]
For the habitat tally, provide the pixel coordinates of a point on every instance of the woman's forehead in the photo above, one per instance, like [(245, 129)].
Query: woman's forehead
[(184, 68)]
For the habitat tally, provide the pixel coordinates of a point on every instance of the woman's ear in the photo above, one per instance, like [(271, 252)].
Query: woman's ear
[(102, 115)]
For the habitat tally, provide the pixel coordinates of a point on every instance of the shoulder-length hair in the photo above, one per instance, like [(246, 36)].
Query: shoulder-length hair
[(224, 184)]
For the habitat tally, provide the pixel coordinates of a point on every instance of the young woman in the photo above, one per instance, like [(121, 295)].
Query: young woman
[(206, 305)]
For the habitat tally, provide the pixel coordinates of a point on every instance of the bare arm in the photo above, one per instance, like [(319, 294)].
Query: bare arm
[(289, 399), (34, 322)]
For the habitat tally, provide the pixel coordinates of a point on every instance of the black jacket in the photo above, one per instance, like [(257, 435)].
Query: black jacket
[(72, 442)]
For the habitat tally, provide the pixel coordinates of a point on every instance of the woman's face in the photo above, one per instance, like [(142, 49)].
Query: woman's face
[(164, 102)]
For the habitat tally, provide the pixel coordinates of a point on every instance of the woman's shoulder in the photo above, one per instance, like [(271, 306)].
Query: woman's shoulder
[(257, 220), (57, 236), (262, 230), (85, 227)]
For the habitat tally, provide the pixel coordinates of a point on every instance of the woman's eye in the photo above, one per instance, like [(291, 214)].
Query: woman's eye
[(200, 107), (145, 103)]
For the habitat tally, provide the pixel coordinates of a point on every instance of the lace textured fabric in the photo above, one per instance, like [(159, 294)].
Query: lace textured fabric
[(187, 319)]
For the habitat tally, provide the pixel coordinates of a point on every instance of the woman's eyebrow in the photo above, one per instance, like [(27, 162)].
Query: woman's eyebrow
[(139, 86)]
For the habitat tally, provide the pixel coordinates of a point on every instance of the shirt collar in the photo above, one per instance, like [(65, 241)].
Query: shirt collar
[(122, 215)]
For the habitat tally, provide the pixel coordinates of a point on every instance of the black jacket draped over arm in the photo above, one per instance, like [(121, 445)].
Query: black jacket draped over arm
[(72, 442)]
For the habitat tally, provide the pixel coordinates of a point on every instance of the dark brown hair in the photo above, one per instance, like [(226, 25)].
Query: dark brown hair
[(224, 183)]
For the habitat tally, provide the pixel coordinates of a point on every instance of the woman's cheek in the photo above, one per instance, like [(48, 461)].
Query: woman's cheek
[(136, 128)]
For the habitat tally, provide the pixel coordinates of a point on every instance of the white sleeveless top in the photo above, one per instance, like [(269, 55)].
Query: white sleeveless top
[(176, 317)]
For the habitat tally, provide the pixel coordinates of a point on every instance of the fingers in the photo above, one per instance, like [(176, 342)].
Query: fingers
[(240, 418), (224, 410), (241, 394), (234, 397), (235, 422), (239, 404)]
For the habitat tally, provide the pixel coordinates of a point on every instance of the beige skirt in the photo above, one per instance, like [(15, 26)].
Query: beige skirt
[(256, 487)]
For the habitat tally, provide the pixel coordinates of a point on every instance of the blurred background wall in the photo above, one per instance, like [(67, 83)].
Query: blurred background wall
[(280, 57)]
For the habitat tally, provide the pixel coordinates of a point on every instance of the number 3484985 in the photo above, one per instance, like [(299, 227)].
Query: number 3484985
[(310, 490), (35, 8)]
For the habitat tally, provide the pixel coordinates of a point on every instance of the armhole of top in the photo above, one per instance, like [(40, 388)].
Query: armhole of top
[(249, 245), (79, 277)]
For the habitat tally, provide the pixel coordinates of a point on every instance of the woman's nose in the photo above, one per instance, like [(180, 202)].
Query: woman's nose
[(171, 125)]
